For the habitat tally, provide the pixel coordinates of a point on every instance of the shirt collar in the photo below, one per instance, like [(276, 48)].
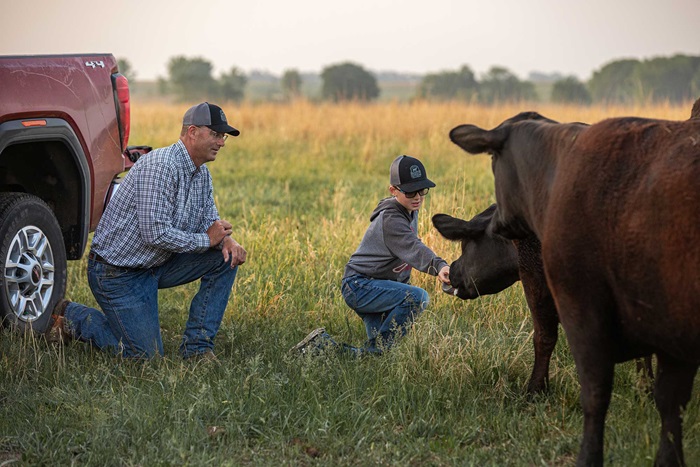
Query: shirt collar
[(189, 164)]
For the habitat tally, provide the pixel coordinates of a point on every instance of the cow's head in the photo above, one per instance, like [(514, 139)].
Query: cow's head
[(488, 263), (514, 136)]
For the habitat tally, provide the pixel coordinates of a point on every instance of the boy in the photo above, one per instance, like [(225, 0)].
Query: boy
[(376, 279)]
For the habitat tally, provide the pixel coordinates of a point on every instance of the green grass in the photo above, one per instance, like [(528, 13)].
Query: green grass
[(452, 393)]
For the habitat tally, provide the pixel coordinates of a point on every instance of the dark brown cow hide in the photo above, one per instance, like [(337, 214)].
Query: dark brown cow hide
[(616, 207), (490, 263)]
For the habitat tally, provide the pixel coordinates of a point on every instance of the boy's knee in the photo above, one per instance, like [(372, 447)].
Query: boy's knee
[(420, 298), (425, 299)]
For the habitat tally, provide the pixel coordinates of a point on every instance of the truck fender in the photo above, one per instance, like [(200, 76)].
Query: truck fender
[(55, 129)]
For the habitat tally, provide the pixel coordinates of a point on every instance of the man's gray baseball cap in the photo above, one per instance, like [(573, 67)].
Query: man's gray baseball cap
[(210, 116)]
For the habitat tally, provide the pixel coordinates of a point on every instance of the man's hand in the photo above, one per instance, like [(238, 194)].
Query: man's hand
[(231, 249), (218, 230), (444, 275)]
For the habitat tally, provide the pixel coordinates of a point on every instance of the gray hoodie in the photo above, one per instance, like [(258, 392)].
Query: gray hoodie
[(391, 247)]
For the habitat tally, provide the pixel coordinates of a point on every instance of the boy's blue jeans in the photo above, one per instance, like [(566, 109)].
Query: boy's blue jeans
[(128, 323), (388, 308)]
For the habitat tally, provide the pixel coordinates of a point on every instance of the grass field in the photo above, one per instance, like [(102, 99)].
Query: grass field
[(298, 186)]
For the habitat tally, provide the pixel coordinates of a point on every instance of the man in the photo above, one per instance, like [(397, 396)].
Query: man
[(161, 229)]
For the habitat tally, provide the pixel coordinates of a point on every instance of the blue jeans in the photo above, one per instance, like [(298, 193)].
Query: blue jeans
[(128, 323), (388, 308)]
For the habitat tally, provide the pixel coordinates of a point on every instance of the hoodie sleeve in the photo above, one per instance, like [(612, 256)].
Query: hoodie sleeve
[(402, 240)]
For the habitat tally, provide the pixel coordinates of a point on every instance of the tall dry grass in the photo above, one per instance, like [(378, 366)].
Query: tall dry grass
[(298, 185)]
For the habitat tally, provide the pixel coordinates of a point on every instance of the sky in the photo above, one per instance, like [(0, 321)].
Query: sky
[(572, 38)]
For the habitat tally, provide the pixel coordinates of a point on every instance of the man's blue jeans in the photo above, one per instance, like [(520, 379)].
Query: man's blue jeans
[(128, 323), (388, 308)]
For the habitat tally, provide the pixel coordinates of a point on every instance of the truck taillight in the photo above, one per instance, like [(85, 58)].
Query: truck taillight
[(121, 99)]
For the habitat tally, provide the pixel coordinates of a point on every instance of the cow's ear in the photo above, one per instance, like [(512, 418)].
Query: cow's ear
[(475, 140), (481, 221), (450, 227)]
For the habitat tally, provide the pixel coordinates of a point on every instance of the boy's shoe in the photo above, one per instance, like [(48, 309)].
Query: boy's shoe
[(350, 351), (58, 332), (312, 341)]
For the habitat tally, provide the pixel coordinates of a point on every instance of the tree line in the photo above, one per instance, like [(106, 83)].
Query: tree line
[(673, 79)]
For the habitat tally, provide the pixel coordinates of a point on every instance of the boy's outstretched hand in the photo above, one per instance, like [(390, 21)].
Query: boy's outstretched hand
[(444, 275)]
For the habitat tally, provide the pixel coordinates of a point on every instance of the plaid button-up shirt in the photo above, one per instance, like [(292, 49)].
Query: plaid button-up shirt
[(164, 205)]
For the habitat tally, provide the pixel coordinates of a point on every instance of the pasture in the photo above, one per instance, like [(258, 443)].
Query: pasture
[(298, 185)]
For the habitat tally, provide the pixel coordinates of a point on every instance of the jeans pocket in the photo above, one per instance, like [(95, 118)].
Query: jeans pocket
[(104, 270), (113, 272)]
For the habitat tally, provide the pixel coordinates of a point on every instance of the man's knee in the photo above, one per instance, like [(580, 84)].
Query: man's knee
[(137, 330), (216, 269), (141, 349), (223, 267)]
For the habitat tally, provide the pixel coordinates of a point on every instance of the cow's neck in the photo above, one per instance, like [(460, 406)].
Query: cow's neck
[(537, 170)]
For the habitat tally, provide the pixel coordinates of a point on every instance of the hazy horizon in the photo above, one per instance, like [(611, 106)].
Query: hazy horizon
[(545, 36)]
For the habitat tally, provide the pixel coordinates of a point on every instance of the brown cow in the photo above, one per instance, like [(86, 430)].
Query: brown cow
[(617, 208), (490, 263)]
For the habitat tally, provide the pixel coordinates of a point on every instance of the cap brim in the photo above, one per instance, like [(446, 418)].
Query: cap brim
[(223, 128), (417, 185)]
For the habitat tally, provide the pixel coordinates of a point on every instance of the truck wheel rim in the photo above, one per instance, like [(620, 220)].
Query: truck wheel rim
[(29, 273)]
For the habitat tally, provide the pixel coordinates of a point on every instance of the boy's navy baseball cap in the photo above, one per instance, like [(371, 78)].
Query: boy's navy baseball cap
[(210, 116), (408, 174)]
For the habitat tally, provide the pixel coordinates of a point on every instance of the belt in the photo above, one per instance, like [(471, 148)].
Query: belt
[(96, 257)]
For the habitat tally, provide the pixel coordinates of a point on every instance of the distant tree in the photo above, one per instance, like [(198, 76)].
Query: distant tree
[(263, 76), (163, 86), (695, 85), (126, 70), (232, 85), (615, 82), (262, 86), (570, 90), (311, 84), (291, 84), (666, 78), (347, 81), (397, 77), (191, 79), (500, 85), (459, 84), (540, 77)]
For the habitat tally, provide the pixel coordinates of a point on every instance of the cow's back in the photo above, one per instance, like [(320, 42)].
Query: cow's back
[(625, 209)]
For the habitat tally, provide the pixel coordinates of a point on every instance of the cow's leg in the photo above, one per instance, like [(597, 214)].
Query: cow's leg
[(586, 321), (546, 329), (674, 384), (542, 309), (596, 377)]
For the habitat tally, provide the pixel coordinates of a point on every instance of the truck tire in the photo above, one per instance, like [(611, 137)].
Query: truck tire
[(32, 262)]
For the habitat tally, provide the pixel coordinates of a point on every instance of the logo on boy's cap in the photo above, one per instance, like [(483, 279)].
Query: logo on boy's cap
[(415, 172)]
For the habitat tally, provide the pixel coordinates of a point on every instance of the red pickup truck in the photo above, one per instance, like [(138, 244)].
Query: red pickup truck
[(64, 129)]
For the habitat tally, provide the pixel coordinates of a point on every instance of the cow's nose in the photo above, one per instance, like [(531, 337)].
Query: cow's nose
[(448, 289)]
